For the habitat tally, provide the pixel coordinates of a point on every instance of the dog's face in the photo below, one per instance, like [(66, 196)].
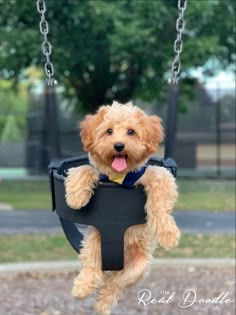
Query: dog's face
[(120, 138)]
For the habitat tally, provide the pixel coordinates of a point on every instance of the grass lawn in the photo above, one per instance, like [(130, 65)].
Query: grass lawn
[(55, 247), (206, 194), (25, 194), (193, 194)]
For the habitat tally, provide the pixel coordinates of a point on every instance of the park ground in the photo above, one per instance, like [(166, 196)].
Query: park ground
[(195, 194), (49, 294)]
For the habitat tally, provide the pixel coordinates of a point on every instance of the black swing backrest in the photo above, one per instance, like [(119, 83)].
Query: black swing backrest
[(112, 209)]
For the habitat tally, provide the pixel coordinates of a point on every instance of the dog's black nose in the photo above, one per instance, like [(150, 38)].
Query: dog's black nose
[(119, 146)]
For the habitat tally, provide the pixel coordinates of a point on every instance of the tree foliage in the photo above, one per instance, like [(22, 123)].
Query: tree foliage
[(13, 103), (115, 49)]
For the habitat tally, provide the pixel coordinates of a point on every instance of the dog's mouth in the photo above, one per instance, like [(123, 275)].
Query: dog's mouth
[(119, 162)]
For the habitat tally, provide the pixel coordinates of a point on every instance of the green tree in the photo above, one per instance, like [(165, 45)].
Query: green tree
[(115, 49)]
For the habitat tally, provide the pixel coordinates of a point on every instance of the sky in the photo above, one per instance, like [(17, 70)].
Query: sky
[(221, 84), (223, 80)]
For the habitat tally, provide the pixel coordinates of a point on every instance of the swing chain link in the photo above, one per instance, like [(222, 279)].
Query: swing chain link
[(178, 44), (46, 45)]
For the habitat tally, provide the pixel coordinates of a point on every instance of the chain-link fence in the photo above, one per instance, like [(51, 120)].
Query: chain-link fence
[(205, 139), (12, 138), (206, 132), (38, 142)]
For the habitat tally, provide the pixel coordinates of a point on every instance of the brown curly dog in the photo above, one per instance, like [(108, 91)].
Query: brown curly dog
[(119, 139)]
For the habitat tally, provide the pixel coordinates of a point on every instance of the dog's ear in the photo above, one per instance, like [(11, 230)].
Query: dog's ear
[(86, 132), (155, 132), (88, 127)]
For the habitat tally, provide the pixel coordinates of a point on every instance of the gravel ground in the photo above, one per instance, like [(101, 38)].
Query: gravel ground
[(49, 294)]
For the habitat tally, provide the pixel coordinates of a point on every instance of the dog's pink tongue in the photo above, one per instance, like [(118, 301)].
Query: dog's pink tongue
[(119, 163)]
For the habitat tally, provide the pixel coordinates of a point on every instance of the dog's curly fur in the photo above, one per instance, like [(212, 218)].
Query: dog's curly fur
[(158, 183)]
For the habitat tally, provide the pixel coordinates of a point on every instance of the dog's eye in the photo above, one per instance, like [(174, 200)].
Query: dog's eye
[(130, 132), (109, 131)]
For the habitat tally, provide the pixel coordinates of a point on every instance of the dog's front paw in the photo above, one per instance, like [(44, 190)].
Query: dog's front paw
[(168, 239), (79, 186), (78, 200)]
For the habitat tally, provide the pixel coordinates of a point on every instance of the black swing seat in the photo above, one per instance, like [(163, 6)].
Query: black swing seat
[(112, 209)]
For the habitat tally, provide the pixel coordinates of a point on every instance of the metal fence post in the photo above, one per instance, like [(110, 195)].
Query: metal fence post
[(218, 133)]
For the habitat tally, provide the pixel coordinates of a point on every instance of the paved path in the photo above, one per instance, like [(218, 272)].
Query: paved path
[(74, 265), (41, 221), (208, 222)]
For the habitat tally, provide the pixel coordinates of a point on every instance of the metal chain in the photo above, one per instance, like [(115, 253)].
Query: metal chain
[(46, 45), (178, 44)]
